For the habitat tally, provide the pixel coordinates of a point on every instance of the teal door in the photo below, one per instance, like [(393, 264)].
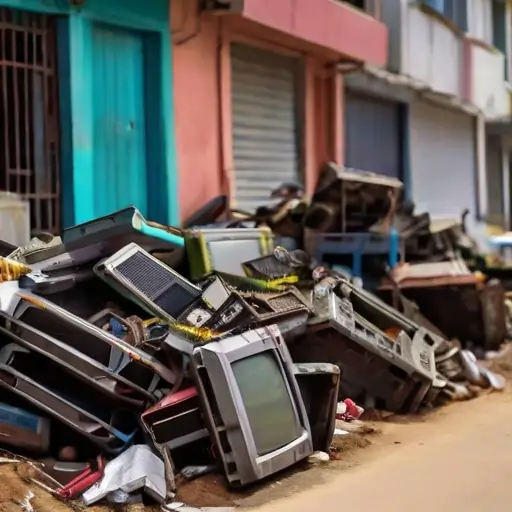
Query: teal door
[(119, 120)]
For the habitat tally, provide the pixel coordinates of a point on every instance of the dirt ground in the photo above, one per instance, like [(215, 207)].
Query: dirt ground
[(457, 460), (383, 443)]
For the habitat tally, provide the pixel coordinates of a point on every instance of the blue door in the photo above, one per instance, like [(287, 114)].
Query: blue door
[(119, 117)]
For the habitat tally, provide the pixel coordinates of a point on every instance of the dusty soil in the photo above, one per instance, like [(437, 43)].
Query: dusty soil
[(351, 456), (208, 491), (458, 460)]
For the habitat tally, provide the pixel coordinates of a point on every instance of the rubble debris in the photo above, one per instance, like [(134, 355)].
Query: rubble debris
[(136, 356), (135, 469), (348, 410), (317, 457), (454, 299), (463, 373), (90, 476), (25, 504), (480, 375), (191, 472), (349, 200)]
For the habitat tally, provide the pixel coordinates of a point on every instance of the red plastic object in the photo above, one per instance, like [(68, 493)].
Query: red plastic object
[(170, 400), (83, 481)]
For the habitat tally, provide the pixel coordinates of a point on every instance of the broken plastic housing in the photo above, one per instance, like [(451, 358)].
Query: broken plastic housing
[(395, 374), (147, 281)]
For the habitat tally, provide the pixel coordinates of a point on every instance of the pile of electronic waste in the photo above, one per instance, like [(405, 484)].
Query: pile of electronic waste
[(148, 349)]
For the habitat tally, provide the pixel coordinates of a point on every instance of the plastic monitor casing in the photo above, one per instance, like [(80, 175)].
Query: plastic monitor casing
[(73, 361), (201, 260), (319, 384), (232, 430), (164, 422), (119, 228), (100, 429), (14, 302), (101, 238)]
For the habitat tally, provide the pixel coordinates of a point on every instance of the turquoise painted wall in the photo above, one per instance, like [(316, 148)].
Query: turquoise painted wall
[(76, 70)]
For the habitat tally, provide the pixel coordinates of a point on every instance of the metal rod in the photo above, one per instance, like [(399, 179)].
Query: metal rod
[(48, 168), (15, 97), (28, 163)]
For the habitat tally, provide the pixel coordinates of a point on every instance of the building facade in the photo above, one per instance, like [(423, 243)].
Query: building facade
[(447, 72), (266, 91), (259, 94), (86, 108)]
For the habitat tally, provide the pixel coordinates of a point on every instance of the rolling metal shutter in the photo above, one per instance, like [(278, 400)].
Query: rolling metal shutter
[(443, 161), (265, 124), (372, 135)]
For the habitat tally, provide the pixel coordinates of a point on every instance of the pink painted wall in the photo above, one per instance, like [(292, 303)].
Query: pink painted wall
[(196, 96), (202, 91), (329, 134), (333, 25)]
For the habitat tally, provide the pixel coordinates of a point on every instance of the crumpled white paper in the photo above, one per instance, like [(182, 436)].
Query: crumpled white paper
[(138, 468)]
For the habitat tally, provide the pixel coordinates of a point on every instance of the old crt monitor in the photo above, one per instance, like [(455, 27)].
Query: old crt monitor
[(225, 250), (253, 403)]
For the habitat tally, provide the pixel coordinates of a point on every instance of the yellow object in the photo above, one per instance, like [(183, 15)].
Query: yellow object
[(393, 332), (11, 270), (197, 334), (282, 281), (479, 276), (494, 230), (251, 284), (152, 321)]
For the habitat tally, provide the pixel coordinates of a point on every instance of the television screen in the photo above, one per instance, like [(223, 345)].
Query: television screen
[(267, 402), (228, 255)]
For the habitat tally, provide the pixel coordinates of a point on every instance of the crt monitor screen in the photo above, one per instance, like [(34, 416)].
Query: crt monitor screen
[(267, 402), (228, 255)]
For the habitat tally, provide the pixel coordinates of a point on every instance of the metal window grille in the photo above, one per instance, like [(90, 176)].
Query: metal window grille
[(29, 129)]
